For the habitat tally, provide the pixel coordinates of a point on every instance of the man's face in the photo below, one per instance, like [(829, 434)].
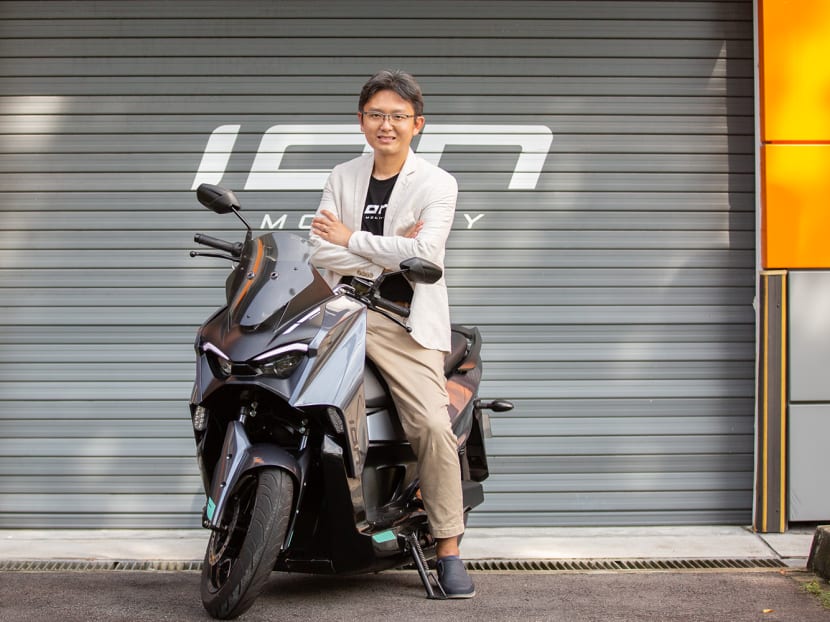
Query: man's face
[(387, 136)]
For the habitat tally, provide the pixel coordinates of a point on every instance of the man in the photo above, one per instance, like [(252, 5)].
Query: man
[(376, 211)]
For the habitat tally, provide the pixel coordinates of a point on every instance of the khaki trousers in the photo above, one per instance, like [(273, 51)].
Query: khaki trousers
[(415, 376)]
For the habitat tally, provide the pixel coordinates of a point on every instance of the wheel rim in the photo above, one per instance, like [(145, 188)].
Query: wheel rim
[(226, 543)]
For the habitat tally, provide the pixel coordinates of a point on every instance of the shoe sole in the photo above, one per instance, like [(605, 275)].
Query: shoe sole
[(460, 596)]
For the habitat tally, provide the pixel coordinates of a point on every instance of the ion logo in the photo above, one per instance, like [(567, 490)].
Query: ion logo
[(533, 140)]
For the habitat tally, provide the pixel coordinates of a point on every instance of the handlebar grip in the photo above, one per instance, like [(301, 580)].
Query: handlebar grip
[(222, 245), (391, 306)]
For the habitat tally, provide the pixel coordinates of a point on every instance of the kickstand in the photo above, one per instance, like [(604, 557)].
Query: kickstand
[(429, 580)]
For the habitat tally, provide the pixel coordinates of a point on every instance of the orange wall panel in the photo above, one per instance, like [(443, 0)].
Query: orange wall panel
[(796, 192), (795, 70)]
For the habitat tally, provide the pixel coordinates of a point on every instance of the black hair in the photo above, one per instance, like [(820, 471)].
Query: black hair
[(397, 81)]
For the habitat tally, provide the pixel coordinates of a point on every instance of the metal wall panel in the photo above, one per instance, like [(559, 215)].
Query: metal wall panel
[(808, 398), (809, 335), (614, 290), (808, 462)]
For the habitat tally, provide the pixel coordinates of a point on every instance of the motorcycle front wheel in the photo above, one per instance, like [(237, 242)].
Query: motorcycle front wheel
[(240, 556)]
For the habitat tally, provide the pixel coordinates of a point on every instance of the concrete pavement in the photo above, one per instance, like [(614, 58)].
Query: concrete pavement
[(722, 596)]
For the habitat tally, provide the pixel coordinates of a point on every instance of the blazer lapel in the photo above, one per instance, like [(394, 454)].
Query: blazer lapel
[(360, 189), (399, 206)]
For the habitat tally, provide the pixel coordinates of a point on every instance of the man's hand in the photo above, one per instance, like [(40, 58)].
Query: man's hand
[(414, 230), (328, 227)]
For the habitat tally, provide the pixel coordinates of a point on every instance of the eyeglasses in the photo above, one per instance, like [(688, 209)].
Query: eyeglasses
[(375, 116)]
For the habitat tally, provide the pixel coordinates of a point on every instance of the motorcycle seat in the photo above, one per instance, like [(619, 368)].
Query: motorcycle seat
[(458, 350)]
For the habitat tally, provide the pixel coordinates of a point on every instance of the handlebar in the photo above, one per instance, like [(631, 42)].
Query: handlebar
[(234, 249), (391, 306)]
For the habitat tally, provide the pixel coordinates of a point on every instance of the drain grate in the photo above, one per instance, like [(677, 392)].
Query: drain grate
[(493, 565), (583, 565), (57, 565)]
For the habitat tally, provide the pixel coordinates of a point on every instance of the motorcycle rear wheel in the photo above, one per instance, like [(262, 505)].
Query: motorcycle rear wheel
[(239, 558)]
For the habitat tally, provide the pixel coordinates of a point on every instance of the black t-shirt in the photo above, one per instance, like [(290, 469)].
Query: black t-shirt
[(377, 200), (395, 288)]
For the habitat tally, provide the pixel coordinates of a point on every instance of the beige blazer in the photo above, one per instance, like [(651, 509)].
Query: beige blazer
[(422, 192)]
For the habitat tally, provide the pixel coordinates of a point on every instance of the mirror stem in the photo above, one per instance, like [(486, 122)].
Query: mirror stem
[(244, 222)]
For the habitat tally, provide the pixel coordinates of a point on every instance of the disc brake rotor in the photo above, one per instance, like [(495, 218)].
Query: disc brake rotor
[(226, 535)]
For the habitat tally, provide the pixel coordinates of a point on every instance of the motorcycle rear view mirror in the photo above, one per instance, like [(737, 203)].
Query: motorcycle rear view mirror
[(220, 200), (420, 270), (217, 199)]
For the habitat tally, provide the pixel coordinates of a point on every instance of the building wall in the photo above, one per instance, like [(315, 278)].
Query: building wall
[(604, 238), (795, 156)]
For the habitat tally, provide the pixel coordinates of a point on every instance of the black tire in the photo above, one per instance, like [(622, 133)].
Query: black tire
[(240, 558)]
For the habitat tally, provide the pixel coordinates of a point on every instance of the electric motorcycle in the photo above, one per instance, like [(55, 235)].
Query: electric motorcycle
[(303, 460)]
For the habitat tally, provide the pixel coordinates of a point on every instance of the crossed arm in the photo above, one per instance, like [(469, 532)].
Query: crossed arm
[(347, 252), (329, 228)]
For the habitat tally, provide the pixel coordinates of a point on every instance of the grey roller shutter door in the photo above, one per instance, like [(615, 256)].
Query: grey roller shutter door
[(613, 285)]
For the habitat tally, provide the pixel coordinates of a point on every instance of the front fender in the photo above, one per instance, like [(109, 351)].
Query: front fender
[(238, 457)]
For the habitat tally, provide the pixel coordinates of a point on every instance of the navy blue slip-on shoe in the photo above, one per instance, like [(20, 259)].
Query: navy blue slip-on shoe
[(454, 579)]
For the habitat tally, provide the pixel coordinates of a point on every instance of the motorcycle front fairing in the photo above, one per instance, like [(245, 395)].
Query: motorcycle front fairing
[(279, 306), (271, 286)]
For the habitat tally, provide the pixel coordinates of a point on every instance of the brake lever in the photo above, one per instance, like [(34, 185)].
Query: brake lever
[(371, 306), (216, 255), (391, 317), (365, 296)]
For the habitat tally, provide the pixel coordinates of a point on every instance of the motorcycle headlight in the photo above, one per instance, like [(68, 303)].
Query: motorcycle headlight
[(219, 362), (225, 366), (282, 366), (280, 362)]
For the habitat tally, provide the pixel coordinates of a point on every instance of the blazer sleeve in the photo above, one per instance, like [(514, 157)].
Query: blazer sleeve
[(333, 257), (438, 212)]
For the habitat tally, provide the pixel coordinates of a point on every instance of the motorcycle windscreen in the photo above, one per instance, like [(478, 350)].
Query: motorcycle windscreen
[(274, 282)]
